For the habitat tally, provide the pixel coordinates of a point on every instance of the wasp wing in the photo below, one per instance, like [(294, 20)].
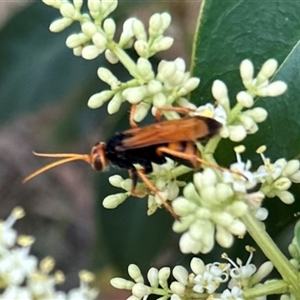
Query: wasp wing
[(179, 130)]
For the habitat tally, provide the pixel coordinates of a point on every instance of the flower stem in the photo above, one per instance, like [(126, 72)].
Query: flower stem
[(277, 287), (272, 252)]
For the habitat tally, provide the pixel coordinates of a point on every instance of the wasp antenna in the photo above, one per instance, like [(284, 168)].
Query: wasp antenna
[(66, 158), (58, 155)]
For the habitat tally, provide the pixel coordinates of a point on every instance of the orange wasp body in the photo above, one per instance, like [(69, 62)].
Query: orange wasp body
[(146, 145)]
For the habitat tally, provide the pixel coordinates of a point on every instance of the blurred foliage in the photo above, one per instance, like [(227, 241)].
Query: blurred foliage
[(37, 70)]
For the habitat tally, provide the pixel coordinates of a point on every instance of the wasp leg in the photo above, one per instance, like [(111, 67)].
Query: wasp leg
[(131, 116), (155, 191), (180, 110), (194, 159), (134, 177)]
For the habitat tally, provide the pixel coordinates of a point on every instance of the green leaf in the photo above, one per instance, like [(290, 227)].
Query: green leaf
[(231, 31)]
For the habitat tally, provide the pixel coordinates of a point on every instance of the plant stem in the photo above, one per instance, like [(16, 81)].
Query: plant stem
[(272, 252), (277, 287)]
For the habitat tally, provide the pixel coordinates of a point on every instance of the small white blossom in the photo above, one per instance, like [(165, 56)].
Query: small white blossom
[(220, 93), (60, 24)]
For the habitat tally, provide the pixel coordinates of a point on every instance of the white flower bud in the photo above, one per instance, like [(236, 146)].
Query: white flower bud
[(94, 6), (53, 3), (141, 111), (177, 288), (197, 265), (67, 10), (187, 245), (223, 192), (135, 273), (91, 52), (141, 47), (274, 89), (267, 70), (237, 133), (180, 64), (127, 32), (145, 69), (98, 99), (258, 114), (205, 179), (78, 4), (140, 290), (89, 29), (74, 40), (159, 100), (291, 167), (261, 214), (121, 283), (237, 228), (115, 103), (107, 76), (111, 57), (189, 86), (115, 180), (286, 197), (108, 6), (77, 51), (220, 92), (135, 94), (163, 44), (238, 208), (223, 237), (282, 184), (247, 122), (165, 69), (163, 276), (152, 276), (176, 79), (155, 24), (173, 190), (154, 86), (166, 20), (60, 24), (183, 102), (295, 177), (181, 226), (109, 27), (247, 71), (245, 99), (139, 31), (180, 274), (112, 201), (100, 41), (126, 184), (222, 218), (263, 271), (190, 192)]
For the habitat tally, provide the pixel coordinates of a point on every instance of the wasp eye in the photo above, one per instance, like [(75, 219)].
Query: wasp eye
[(97, 164)]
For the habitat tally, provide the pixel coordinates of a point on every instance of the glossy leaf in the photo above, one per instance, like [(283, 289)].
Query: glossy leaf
[(231, 31)]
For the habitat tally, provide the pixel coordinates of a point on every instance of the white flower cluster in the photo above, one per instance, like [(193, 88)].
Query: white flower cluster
[(147, 87), (169, 85), (203, 280), (162, 179), (212, 206), (240, 123), (23, 278)]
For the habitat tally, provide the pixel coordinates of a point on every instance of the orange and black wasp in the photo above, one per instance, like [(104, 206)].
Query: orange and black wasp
[(146, 145)]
